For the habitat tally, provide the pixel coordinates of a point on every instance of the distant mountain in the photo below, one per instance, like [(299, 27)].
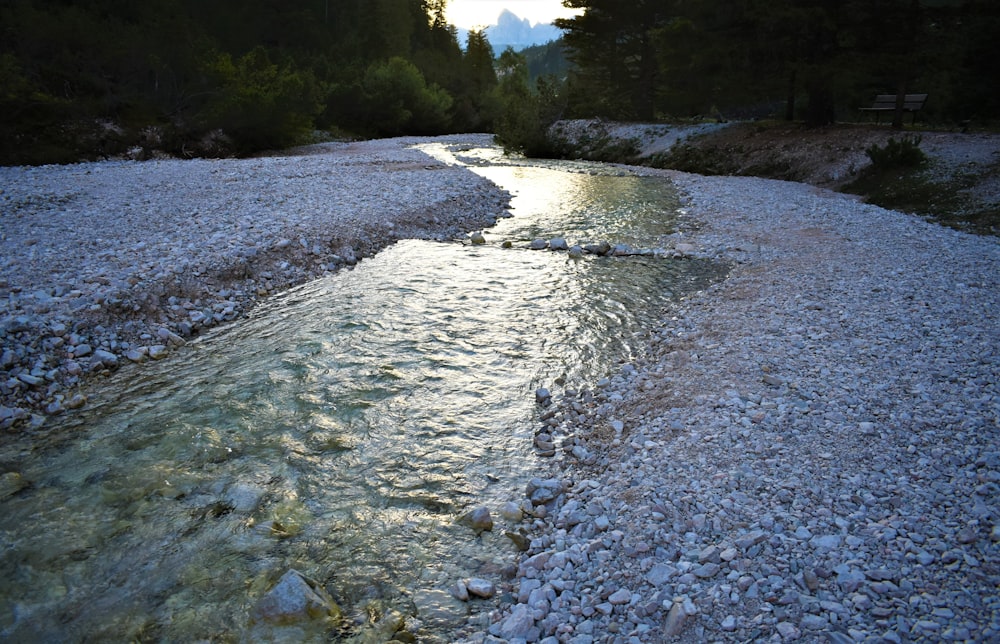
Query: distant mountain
[(515, 32)]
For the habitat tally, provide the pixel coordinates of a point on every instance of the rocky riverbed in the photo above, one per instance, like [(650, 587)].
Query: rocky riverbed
[(809, 451), (107, 264)]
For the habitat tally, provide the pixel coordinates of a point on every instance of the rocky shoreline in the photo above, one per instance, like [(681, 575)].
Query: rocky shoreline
[(114, 263), (808, 452)]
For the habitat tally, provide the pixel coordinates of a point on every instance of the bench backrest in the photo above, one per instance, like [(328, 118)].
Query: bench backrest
[(910, 101)]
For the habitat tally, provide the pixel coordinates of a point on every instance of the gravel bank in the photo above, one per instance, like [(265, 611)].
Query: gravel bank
[(105, 264), (809, 451)]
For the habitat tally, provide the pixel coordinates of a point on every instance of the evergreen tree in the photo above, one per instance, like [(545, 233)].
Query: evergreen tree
[(477, 105)]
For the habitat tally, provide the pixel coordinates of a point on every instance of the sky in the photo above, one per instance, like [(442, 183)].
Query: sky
[(481, 13)]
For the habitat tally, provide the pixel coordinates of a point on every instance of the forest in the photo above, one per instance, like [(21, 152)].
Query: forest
[(97, 78)]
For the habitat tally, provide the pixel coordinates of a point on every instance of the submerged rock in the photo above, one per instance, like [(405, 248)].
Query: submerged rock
[(11, 483), (543, 396), (601, 248), (295, 598), (479, 519)]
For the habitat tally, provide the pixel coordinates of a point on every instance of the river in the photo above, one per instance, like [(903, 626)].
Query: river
[(340, 430)]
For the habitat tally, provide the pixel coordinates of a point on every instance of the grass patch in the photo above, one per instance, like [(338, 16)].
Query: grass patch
[(916, 190)]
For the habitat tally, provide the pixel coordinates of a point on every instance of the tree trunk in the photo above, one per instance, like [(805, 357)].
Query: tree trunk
[(820, 110), (897, 115), (790, 98), (646, 90)]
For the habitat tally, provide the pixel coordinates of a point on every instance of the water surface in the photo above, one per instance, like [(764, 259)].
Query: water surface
[(340, 430)]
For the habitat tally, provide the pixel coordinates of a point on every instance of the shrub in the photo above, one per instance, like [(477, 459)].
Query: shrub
[(905, 153), (400, 101), (697, 159), (258, 104)]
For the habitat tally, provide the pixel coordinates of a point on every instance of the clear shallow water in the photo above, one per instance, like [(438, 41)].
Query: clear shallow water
[(340, 431)]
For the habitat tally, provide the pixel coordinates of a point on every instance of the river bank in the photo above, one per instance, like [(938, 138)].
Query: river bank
[(956, 184), (808, 451), (114, 263)]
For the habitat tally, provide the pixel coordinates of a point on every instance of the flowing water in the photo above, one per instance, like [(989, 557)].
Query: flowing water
[(339, 431)]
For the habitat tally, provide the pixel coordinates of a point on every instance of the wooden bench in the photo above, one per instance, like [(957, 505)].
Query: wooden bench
[(887, 103)]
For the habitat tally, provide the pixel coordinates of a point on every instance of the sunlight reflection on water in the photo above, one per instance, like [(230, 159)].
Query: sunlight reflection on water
[(340, 430)]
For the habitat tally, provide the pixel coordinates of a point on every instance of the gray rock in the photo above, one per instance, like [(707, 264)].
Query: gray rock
[(814, 622), (676, 620), (102, 358), (601, 248), (788, 631), (437, 609), (479, 519), (660, 574), (295, 598), (540, 491), (30, 380), (511, 512), (620, 596), (707, 571), (481, 588), (11, 483), (827, 542), (244, 498), (459, 591), (518, 624), (558, 243), (538, 244)]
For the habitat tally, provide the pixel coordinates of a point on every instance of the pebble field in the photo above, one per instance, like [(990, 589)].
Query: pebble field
[(809, 451)]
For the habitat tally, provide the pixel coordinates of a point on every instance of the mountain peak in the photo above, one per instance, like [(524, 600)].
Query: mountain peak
[(508, 17), (513, 31)]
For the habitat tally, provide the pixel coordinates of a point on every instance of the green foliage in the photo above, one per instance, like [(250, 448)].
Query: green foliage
[(88, 79), (85, 79), (526, 115), (477, 103), (940, 196), (258, 104), (547, 60), (708, 160), (596, 143), (904, 153), (399, 100), (820, 59)]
